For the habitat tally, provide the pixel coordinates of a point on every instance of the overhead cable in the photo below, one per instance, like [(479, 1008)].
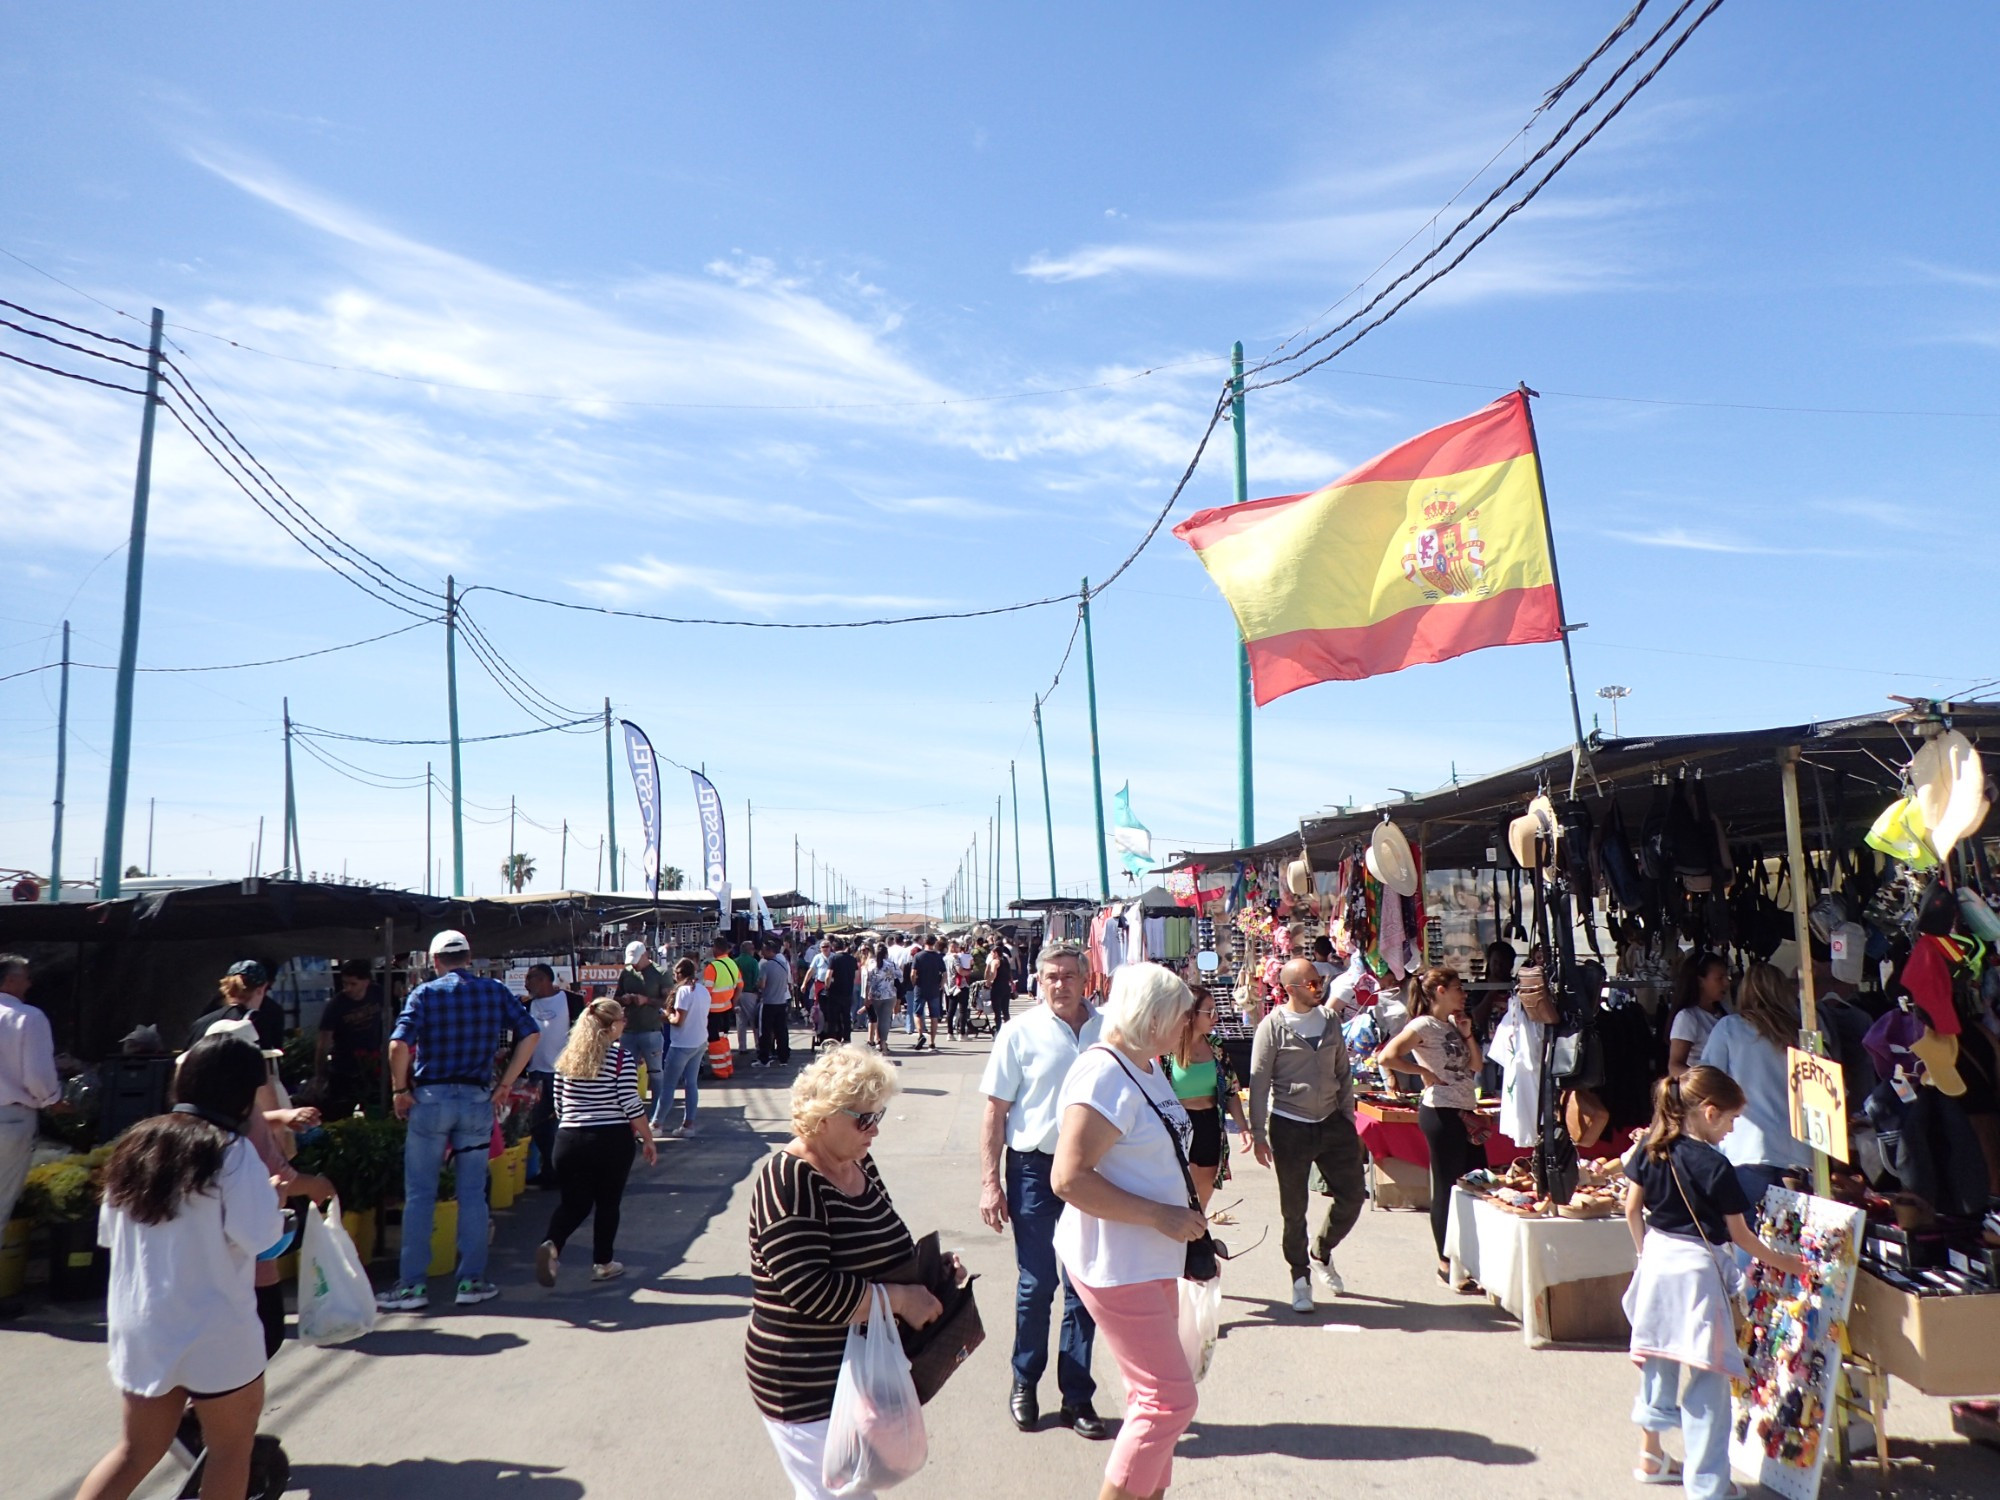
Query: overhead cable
[(464, 739)]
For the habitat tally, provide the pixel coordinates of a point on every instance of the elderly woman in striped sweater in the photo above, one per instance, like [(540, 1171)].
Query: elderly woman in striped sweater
[(822, 1234), (600, 1125)]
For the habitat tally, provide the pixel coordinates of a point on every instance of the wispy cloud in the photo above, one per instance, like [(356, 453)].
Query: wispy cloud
[(654, 578), (1679, 539)]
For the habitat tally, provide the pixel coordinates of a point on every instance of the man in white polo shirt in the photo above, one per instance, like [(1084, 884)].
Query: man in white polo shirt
[(1024, 1075)]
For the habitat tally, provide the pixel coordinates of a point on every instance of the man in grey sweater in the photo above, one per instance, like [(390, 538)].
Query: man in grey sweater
[(1302, 1117)]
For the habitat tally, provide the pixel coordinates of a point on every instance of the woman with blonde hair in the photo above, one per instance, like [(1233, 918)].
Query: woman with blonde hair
[(1750, 1047), (823, 1235), (1120, 1167), (599, 1125)]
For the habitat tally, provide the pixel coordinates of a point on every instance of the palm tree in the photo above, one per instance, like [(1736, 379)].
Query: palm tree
[(516, 870), (670, 878)]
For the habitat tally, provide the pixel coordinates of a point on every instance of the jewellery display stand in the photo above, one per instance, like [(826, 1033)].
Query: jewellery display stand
[(1782, 1409)]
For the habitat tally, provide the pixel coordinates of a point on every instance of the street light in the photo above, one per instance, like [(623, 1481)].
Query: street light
[(1614, 693)]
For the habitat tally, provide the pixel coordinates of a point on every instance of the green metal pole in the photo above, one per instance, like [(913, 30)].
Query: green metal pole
[(610, 798), (62, 771), (1096, 770), (291, 832), (1014, 784), (997, 831), (1246, 803), (1048, 811), (111, 872), (451, 699)]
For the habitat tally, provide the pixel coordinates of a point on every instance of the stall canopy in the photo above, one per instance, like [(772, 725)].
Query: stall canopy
[(1848, 772), (1286, 846)]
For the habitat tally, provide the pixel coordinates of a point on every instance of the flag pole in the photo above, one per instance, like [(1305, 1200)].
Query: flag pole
[(1580, 756), (1246, 821)]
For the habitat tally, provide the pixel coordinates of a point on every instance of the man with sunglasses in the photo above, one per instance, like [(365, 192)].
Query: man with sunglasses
[(1023, 1082), (1301, 1117)]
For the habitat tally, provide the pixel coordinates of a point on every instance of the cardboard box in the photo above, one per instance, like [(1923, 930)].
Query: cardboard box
[(1944, 1346), (1399, 1184), (1589, 1311)]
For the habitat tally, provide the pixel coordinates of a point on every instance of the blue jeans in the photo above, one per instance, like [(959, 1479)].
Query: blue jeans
[(459, 1117), (1702, 1415), (684, 1072), (650, 1048), (1034, 1208)]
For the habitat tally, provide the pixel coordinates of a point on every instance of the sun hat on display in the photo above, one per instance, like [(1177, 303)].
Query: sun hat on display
[(1532, 837), (1390, 861), (1950, 789), (1298, 877)]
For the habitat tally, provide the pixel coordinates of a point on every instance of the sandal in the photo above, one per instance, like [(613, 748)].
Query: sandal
[(1668, 1471)]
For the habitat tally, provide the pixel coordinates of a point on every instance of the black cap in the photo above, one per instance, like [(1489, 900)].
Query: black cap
[(250, 972), (357, 968)]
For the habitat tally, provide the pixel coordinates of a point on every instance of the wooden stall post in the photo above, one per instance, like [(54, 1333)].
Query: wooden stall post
[(1809, 1036)]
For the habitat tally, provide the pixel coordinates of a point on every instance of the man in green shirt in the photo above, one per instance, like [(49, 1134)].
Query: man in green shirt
[(643, 990), (746, 999)]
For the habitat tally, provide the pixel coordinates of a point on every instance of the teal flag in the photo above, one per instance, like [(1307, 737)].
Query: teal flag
[(1129, 836)]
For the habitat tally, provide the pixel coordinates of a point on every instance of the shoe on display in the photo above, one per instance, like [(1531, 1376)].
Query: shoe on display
[(471, 1293), (1302, 1295), (609, 1270), (1328, 1277), (404, 1296), (548, 1260)]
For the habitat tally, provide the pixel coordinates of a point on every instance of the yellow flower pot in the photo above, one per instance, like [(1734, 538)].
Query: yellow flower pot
[(499, 1182), (444, 1239), (13, 1257), (519, 1151), (360, 1224)]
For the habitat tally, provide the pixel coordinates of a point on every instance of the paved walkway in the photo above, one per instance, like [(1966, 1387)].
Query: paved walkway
[(635, 1389)]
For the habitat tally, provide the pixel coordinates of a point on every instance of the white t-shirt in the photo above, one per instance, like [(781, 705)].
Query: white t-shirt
[(1693, 1026), (1105, 1252), (551, 1013), (692, 1000), (182, 1308)]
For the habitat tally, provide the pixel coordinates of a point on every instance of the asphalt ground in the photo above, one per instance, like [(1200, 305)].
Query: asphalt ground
[(636, 1388)]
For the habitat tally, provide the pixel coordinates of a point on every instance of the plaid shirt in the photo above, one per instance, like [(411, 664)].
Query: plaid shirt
[(458, 1022)]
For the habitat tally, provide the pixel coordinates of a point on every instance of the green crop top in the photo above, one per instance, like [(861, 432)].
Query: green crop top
[(1195, 1081)]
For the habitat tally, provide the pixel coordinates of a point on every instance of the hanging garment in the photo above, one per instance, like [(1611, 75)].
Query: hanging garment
[(1394, 945), (1517, 1047)]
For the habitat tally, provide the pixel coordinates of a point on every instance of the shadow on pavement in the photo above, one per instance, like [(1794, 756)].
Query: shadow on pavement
[(1331, 1441), (1372, 1313), (434, 1479), (389, 1339)]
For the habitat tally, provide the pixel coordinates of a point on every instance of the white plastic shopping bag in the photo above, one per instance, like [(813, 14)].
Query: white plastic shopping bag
[(876, 1435), (1201, 1322), (336, 1301)]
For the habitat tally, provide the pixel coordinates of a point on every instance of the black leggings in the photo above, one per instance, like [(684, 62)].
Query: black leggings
[(592, 1163), (1452, 1156)]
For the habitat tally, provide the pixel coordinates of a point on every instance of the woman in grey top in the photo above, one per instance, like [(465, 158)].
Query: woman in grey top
[(1439, 1042)]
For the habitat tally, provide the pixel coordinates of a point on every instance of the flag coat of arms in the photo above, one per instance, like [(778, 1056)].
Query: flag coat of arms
[(1433, 549)]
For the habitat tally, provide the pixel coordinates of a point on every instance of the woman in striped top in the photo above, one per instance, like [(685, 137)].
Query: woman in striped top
[(598, 1121), (822, 1232)]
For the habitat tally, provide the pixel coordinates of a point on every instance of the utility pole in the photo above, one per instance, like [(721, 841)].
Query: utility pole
[(149, 837), (430, 788), (1014, 786), (290, 834), (600, 863), (1246, 810), (1048, 810), (110, 872), (562, 880), (999, 832), (749, 844), (1096, 770), (795, 864), (511, 856), (457, 769), (610, 795), (62, 770)]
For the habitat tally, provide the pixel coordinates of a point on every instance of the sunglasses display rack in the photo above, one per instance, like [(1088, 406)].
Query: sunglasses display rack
[(1792, 1345)]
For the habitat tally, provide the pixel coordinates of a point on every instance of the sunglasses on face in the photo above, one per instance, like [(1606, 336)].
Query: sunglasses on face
[(869, 1121)]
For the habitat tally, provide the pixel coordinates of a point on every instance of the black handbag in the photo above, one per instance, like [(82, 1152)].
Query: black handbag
[(936, 1350), (1206, 1254)]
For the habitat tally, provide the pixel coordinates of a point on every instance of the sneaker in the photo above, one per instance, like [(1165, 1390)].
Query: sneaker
[(1328, 1277), (609, 1270), (1302, 1295), (548, 1260), (472, 1292), (404, 1296), (684, 1129)]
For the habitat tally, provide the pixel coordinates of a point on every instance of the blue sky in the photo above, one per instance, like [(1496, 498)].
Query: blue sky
[(666, 229)]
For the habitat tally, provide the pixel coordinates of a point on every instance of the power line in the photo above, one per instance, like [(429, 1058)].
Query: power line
[(49, 338), (235, 666), (70, 374), (640, 614), (92, 333), (464, 739)]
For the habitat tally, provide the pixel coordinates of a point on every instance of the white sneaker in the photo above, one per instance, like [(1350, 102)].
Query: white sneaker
[(1329, 1278), (1302, 1296)]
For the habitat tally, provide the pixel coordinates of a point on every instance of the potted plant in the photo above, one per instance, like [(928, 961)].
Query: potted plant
[(444, 1223), (62, 1196)]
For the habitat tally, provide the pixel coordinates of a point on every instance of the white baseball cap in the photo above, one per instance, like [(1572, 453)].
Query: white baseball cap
[(634, 951), (451, 940)]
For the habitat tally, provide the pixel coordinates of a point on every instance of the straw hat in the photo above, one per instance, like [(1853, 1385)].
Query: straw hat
[(1390, 861), (1298, 877), (1532, 836), (1950, 789)]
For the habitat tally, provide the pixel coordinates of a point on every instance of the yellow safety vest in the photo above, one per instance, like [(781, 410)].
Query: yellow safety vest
[(723, 979)]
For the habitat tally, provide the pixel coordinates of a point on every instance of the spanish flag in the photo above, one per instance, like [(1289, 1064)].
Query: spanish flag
[(1434, 549)]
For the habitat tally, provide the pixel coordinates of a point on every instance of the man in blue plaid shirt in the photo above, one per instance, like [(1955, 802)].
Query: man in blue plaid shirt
[(441, 1056)]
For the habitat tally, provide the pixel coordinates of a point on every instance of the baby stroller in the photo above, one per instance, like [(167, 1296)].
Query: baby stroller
[(982, 1009)]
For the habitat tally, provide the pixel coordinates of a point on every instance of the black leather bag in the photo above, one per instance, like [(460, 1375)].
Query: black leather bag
[(936, 1350)]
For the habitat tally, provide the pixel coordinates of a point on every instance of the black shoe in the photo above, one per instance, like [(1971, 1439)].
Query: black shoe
[(1085, 1421), (1024, 1407)]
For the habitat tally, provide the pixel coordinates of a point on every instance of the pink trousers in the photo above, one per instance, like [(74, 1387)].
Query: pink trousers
[(1141, 1323)]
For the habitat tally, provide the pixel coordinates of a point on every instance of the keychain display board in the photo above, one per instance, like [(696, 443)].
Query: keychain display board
[(1782, 1408)]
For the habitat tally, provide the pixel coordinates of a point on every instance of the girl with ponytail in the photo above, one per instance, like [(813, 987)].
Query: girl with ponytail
[(1684, 1202)]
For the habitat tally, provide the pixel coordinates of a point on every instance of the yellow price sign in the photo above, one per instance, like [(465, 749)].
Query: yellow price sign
[(1818, 1096)]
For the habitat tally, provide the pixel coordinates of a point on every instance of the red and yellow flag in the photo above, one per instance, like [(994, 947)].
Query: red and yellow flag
[(1434, 549)]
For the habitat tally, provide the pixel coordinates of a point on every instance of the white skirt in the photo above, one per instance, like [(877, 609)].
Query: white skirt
[(1678, 1305)]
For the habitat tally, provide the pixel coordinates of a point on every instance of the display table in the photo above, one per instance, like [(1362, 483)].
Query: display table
[(1560, 1277), (1391, 1134)]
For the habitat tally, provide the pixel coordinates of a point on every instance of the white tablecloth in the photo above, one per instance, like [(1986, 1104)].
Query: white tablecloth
[(1517, 1260)]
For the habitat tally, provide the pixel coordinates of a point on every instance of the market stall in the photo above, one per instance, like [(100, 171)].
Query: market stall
[(1559, 1271)]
